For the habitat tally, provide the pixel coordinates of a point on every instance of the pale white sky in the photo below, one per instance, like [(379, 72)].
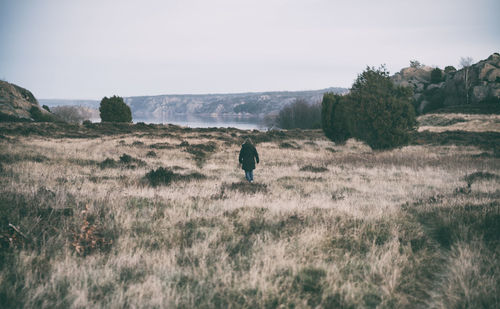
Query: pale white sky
[(89, 49)]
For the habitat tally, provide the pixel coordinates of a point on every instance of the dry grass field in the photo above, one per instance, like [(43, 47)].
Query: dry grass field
[(94, 222)]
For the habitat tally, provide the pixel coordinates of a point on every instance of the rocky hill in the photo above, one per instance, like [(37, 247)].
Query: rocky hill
[(477, 84), (17, 103)]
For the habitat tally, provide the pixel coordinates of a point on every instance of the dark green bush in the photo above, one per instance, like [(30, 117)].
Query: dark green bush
[(333, 120), (165, 176), (108, 163), (313, 169), (449, 69), (125, 158), (38, 116), (114, 109), (436, 98), (436, 76), (151, 154), (245, 187), (375, 111), (160, 176)]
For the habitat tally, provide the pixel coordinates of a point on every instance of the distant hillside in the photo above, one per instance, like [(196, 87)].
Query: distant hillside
[(64, 102), (242, 104), (16, 103)]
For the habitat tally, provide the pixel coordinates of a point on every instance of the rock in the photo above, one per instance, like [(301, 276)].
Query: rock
[(489, 73), (481, 92), (483, 84)]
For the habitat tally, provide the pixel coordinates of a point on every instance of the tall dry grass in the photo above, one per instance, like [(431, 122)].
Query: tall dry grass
[(324, 225)]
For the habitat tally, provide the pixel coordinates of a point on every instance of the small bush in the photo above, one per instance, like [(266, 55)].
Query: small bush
[(164, 176), (160, 176), (161, 146), (151, 154), (38, 116), (245, 187), (125, 158), (436, 76), (108, 163), (314, 169), (114, 109), (124, 161), (201, 151), (287, 145)]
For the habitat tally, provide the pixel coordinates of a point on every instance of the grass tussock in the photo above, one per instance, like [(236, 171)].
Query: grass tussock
[(325, 225), (313, 169), (165, 176), (125, 161), (245, 187)]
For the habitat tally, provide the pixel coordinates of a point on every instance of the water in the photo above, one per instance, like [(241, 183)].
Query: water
[(243, 123)]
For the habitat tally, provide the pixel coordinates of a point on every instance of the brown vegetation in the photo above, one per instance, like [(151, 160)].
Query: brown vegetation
[(323, 225)]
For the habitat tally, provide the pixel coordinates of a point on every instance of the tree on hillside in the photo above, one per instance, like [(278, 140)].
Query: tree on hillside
[(114, 109), (436, 76), (415, 64), (465, 63), (449, 69)]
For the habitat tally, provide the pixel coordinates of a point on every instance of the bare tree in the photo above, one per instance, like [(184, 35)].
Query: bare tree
[(74, 114), (415, 64), (466, 63)]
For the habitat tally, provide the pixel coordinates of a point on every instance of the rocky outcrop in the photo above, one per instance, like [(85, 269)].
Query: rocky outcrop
[(476, 84), (17, 102)]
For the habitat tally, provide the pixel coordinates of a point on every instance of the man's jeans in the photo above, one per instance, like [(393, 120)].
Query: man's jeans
[(249, 175)]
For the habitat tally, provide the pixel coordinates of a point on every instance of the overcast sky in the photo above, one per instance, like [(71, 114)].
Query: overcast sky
[(89, 49)]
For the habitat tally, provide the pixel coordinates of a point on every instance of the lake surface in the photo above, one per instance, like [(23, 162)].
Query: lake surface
[(197, 121)]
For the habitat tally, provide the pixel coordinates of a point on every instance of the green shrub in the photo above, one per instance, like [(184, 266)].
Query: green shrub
[(164, 176), (114, 109), (313, 169), (38, 116), (436, 98), (333, 119), (449, 69), (436, 76), (375, 111), (151, 154), (125, 158), (108, 163)]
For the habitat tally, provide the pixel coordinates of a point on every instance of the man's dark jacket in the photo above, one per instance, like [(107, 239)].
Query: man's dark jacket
[(247, 155)]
